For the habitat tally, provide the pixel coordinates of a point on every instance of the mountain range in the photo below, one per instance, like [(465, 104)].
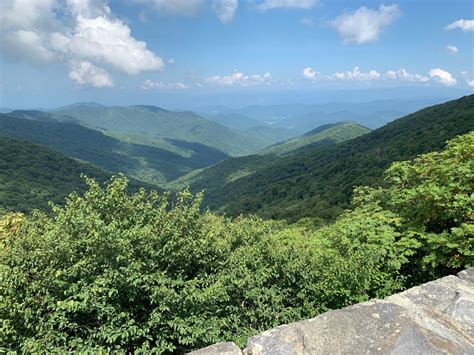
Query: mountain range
[(319, 182), (288, 176)]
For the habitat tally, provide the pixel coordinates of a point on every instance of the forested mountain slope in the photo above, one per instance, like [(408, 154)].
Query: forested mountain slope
[(153, 121), (319, 183), (324, 135), (147, 163), (31, 175)]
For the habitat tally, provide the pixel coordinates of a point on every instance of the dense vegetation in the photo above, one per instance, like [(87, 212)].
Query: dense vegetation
[(31, 175), (319, 182), (324, 135), (155, 165), (113, 271), (184, 126)]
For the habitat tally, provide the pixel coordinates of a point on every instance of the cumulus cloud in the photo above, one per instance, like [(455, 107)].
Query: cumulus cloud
[(240, 79), (83, 34), (452, 49), (443, 76), (357, 75), (86, 73), (309, 73), (365, 25), (404, 75), (225, 9), (150, 85), (469, 81), (464, 25), (108, 41), (24, 29), (297, 4), (28, 46)]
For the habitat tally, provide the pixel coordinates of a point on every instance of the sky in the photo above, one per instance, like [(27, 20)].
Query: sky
[(185, 53)]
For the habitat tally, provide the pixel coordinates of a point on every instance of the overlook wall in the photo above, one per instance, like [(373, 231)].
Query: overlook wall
[(434, 318)]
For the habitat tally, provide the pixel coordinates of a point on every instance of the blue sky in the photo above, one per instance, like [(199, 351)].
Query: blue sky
[(167, 52)]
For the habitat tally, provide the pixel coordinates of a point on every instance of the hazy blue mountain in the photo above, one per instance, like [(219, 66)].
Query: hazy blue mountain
[(153, 121), (234, 120), (303, 117)]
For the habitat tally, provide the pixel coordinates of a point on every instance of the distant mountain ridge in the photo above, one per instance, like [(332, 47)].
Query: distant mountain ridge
[(304, 117), (320, 182), (153, 121), (325, 135)]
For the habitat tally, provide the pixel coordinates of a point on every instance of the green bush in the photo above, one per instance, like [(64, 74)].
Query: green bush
[(112, 271)]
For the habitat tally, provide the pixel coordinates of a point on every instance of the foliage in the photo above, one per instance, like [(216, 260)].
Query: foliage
[(434, 195), (110, 271)]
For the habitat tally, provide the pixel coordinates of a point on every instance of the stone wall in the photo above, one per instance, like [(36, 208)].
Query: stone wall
[(434, 318)]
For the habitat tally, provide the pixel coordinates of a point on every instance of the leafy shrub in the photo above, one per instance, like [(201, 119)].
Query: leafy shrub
[(111, 271), (434, 194)]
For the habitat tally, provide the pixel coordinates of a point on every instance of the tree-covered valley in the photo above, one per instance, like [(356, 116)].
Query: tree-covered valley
[(310, 223)]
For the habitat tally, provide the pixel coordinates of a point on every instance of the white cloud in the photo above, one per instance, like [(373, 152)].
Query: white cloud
[(176, 7), (357, 75), (464, 25), (404, 75), (307, 21), (452, 49), (150, 85), (365, 25), (443, 76), (86, 73), (107, 41), (297, 4), (171, 61), (225, 9), (469, 81), (240, 79), (24, 29), (310, 73), (73, 32), (29, 46)]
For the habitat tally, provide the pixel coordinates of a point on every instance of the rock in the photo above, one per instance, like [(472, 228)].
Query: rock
[(219, 349), (433, 318), (467, 275)]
